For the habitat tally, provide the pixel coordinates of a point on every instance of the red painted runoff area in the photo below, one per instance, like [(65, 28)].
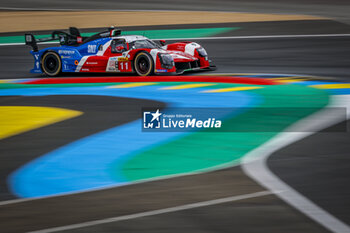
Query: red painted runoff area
[(216, 79)]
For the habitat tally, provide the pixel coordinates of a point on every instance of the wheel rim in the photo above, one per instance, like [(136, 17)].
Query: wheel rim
[(143, 65), (51, 64)]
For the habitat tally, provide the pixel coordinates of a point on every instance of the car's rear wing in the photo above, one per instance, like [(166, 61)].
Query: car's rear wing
[(71, 38), (33, 42)]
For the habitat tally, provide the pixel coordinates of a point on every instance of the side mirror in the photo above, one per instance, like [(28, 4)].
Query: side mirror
[(162, 42)]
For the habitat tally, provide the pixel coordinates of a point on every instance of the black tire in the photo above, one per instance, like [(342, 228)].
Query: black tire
[(143, 64), (51, 64)]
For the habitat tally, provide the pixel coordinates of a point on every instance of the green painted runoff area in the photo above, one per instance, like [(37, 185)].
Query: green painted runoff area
[(207, 150), (152, 34)]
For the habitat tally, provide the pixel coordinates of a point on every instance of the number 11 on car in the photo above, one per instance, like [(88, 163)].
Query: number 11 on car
[(124, 66)]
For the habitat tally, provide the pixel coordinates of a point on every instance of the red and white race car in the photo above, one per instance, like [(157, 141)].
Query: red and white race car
[(110, 51)]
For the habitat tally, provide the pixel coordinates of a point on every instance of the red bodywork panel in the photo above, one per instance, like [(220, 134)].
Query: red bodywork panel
[(181, 52)]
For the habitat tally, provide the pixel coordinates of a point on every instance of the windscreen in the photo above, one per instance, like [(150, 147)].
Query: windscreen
[(143, 44)]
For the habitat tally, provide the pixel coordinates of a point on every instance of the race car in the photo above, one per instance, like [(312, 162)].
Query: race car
[(109, 51)]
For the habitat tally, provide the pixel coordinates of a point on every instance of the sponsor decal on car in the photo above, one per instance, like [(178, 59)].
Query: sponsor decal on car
[(112, 64), (161, 70), (181, 47), (123, 59), (65, 65), (66, 52), (92, 48)]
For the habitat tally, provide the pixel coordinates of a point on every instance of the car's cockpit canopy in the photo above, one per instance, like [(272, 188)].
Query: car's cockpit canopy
[(143, 44), (123, 43), (118, 45)]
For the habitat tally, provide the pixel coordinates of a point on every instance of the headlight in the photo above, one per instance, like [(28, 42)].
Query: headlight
[(166, 60), (201, 51)]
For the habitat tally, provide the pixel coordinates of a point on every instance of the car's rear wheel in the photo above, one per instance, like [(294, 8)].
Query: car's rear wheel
[(143, 64), (51, 64)]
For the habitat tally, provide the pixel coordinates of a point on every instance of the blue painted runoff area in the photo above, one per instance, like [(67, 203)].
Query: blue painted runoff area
[(85, 164)]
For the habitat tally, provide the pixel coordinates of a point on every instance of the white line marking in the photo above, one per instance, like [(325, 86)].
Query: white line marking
[(156, 212), (255, 166), (226, 38), (261, 37), (13, 44), (9, 202)]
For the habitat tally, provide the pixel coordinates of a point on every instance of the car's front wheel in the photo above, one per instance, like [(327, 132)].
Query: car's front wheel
[(51, 64), (143, 64)]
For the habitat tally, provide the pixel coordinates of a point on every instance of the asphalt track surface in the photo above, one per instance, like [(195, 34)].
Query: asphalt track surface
[(311, 56), (337, 9), (250, 215), (322, 56), (322, 170)]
